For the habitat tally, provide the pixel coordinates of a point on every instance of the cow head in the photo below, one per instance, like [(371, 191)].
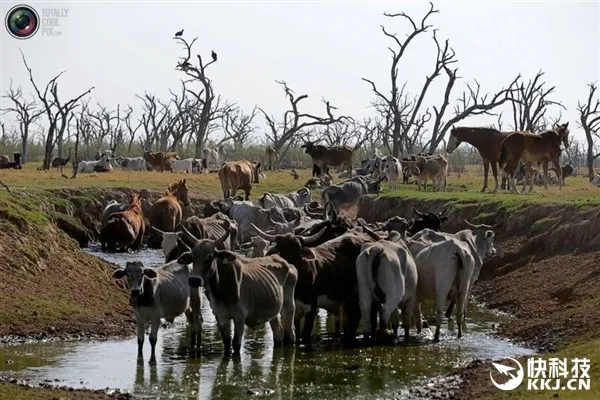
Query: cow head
[(203, 256), (304, 196), (288, 242), (485, 231), (135, 273), (169, 240), (396, 224), (374, 187)]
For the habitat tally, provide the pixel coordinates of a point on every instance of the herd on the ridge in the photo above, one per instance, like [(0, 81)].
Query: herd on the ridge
[(281, 258)]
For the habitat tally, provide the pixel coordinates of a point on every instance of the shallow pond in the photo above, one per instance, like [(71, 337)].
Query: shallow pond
[(327, 373)]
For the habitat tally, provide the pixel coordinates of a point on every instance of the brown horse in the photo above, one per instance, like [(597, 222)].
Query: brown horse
[(166, 212), (532, 148), (125, 229), (487, 141)]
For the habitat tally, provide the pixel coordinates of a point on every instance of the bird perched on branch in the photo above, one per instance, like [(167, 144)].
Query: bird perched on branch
[(179, 33), (214, 55)]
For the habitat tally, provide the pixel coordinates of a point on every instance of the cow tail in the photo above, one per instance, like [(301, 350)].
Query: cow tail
[(375, 262)]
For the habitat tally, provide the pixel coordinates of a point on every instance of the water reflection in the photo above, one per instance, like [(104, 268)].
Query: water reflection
[(329, 372)]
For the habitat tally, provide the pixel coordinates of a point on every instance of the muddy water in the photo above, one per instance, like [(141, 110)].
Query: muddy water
[(327, 373)]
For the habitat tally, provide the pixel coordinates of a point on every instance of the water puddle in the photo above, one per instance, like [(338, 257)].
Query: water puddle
[(327, 373)]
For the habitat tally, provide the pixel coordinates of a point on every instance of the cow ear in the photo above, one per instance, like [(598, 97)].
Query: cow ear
[(258, 166), (150, 273), (183, 182), (119, 274), (185, 258), (443, 218)]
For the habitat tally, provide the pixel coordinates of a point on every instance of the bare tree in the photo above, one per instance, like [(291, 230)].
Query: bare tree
[(396, 103), (55, 112), (107, 123), (348, 133), (238, 126), (27, 112), (131, 129), (408, 121), (283, 134), (589, 120), (530, 103), (206, 96), (153, 118), (471, 103)]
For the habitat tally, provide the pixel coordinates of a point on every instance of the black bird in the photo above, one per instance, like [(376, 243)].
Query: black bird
[(179, 33), (214, 55)]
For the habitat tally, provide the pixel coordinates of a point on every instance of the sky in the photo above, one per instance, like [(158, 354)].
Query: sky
[(322, 49)]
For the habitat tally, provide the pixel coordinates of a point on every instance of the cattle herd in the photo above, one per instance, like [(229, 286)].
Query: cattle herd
[(282, 258)]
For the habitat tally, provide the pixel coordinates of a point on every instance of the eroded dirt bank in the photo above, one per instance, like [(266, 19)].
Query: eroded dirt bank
[(546, 272)]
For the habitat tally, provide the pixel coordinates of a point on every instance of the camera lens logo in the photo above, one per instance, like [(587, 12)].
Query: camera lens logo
[(22, 21)]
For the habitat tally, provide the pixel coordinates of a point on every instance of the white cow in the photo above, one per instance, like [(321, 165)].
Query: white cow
[(169, 241), (186, 165), (162, 292), (212, 158), (443, 268), (392, 168), (132, 163), (386, 273), (88, 166), (596, 180), (294, 199)]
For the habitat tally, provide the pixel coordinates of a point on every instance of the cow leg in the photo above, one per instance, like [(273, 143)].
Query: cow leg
[(337, 320), (225, 331), (309, 322), (288, 310), (239, 322), (247, 192), (351, 315), (137, 243), (155, 323), (460, 312), (141, 332), (277, 331), (395, 321)]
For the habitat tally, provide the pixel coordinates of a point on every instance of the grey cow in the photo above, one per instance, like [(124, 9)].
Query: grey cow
[(348, 192), (161, 292), (112, 207), (294, 199)]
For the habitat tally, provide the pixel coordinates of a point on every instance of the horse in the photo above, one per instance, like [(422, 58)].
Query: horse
[(531, 148), (488, 141), (166, 213), (126, 228)]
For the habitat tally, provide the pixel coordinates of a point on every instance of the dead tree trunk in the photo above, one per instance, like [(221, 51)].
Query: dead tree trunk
[(589, 120)]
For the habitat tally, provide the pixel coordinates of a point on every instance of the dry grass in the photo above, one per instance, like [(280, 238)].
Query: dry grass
[(464, 186)]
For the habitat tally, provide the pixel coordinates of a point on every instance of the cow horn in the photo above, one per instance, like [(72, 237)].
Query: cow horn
[(417, 212), (157, 230), (189, 234), (298, 220), (330, 205), (311, 214), (477, 226), (273, 222), (266, 236), (371, 233), (313, 238)]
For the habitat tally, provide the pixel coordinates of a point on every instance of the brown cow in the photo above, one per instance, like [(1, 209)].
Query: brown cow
[(159, 160), (236, 175), (325, 156), (125, 229), (166, 212)]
